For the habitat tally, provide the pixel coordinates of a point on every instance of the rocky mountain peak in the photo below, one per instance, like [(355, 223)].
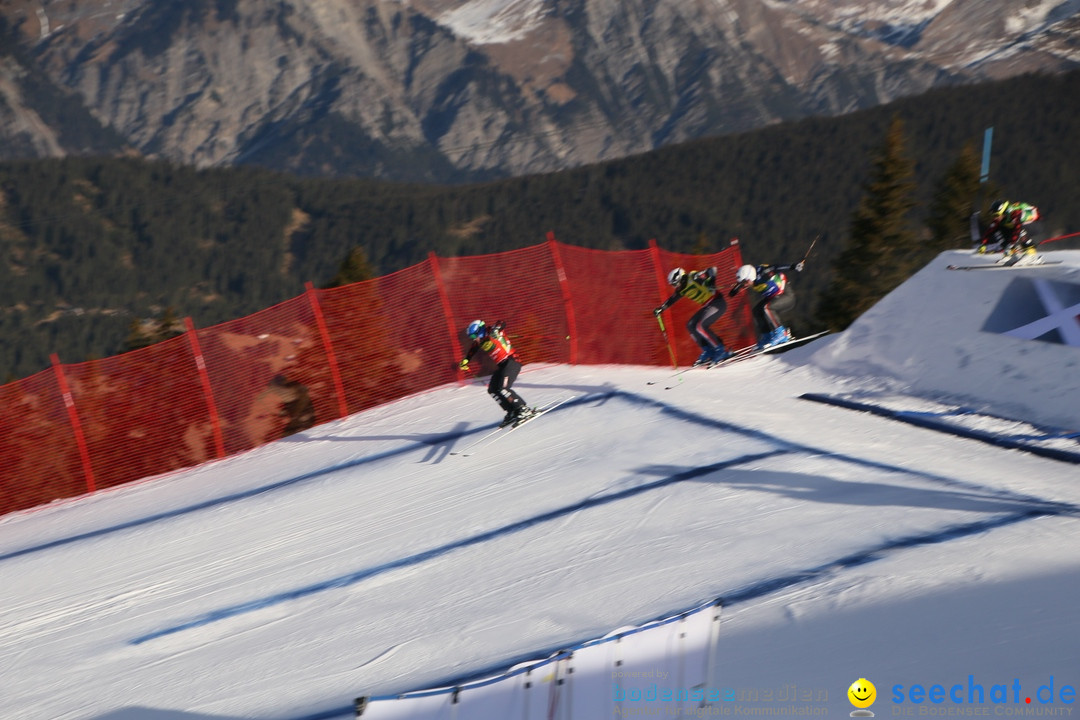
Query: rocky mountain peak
[(451, 90)]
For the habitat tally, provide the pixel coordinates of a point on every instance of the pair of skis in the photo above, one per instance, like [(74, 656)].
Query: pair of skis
[(735, 354), (488, 439), (745, 353), (773, 349), (1019, 264)]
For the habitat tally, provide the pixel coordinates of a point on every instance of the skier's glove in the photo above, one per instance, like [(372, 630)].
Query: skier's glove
[(799, 266), (464, 364), (657, 311)]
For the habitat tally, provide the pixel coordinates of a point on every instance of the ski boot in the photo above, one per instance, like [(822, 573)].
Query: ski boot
[(510, 419), (523, 414), (704, 357), (1008, 260), (777, 337), (1027, 255), (719, 354)]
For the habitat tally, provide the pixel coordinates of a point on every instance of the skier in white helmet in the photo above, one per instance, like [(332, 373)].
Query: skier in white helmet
[(700, 286), (775, 295)]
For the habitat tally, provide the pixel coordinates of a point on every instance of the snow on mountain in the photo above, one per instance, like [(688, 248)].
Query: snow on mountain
[(365, 557), (1032, 17), (494, 21), (854, 14), (900, 21)]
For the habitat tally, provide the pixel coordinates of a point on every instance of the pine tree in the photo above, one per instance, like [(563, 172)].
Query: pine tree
[(144, 333), (955, 199), (883, 245), (702, 246), (354, 268)]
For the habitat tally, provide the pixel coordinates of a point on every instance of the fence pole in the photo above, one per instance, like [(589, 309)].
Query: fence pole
[(76, 426), (714, 637), (568, 301), (444, 298), (661, 279), (208, 390), (331, 357)]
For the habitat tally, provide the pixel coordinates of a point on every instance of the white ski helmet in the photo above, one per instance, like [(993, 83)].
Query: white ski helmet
[(675, 276), (746, 273)]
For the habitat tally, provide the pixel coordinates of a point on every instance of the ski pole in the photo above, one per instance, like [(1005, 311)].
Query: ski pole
[(667, 342), (812, 244)]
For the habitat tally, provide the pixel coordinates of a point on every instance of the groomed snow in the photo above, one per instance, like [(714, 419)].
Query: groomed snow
[(362, 557)]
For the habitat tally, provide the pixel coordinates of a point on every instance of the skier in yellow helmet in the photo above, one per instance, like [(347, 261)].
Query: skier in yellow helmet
[(1006, 232)]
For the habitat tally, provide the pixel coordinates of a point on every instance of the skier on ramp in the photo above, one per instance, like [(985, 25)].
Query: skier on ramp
[(1007, 232)]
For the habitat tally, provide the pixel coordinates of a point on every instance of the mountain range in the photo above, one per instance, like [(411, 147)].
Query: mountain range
[(468, 90)]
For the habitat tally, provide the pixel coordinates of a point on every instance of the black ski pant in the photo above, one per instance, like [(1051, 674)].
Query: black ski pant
[(504, 376), (765, 312), (700, 323)]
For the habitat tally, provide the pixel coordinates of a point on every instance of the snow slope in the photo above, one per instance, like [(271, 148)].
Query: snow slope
[(969, 334), (363, 557)]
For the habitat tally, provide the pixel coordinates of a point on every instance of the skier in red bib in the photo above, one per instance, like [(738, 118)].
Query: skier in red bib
[(496, 344)]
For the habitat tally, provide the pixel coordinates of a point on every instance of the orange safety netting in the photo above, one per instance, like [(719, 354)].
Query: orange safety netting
[(221, 390)]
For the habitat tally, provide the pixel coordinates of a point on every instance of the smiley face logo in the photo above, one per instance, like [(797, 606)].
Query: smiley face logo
[(862, 693)]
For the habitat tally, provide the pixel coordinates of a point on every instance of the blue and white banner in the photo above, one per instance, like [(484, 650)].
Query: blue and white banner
[(662, 668), (1038, 309)]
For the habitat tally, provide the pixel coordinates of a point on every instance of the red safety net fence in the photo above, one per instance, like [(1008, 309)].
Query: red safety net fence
[(221, 390)]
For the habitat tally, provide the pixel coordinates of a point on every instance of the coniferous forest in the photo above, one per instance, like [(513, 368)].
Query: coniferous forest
[(92, 247)]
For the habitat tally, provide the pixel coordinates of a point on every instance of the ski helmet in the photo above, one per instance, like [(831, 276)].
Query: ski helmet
[(675, 276), (998, 208), (477, 329), (746, 273)]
